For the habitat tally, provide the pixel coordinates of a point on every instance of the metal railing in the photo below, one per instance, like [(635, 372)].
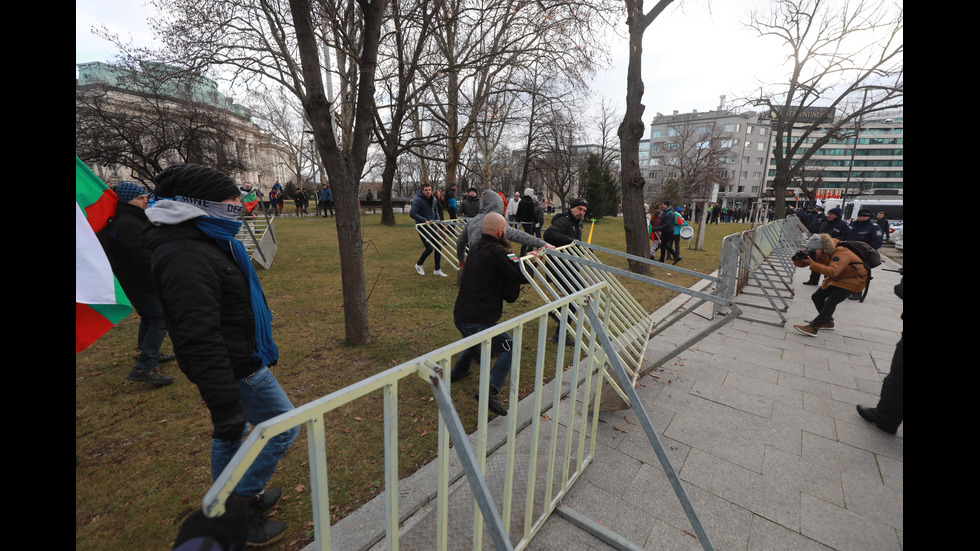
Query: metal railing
[(562, 447), (756, 267), (540, 465), (570, 268)]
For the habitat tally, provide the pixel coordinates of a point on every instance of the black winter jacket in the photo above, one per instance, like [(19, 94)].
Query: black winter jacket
[(492, 276), (122, 240), (564, 229), (208, 313)]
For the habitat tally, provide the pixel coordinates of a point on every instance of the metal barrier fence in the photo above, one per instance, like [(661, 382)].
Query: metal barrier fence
[(566, 447), (539, 465), (755, 265), (570, 268), (258, 234)]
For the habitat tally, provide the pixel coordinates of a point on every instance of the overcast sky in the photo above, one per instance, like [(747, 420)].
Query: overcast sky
[(691, 55)]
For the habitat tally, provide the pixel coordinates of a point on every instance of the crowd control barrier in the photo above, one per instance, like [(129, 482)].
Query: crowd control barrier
[(480, 496)]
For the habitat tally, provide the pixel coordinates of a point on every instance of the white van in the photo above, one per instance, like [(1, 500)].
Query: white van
[(891, 205)]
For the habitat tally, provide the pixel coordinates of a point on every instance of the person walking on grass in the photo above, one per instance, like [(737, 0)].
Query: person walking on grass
[(424, 211)]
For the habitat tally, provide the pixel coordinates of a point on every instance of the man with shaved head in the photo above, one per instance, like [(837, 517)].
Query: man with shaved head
[(492, 275)]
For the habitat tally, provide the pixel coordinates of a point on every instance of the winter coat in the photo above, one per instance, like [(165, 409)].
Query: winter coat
[(122, 240), (839, 266), (492, 276), (424, 209), (564, 229), (208, 313), (470, 206), (868, 231)]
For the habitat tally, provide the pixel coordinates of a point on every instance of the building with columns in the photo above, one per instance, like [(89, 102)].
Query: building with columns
[(120, 110)]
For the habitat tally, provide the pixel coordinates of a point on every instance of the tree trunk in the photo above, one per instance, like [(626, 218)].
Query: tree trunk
[(387, 179), (630, 133)]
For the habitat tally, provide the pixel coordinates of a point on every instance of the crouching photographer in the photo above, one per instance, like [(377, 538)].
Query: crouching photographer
[(844, 273)]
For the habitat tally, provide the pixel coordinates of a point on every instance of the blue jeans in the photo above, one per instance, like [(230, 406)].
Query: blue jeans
[(429, 250), (262, 399), (502, 343), (152, 329)]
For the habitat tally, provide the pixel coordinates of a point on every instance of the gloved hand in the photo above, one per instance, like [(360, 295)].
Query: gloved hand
[(231, 428)]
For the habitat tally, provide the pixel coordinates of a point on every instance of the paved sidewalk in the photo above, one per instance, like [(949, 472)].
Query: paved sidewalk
[(760, 423)]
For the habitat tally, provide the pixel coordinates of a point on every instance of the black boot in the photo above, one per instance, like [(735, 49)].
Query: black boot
[(493, 401), (261, 529)]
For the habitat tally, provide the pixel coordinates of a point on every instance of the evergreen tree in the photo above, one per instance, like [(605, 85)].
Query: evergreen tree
[(600, 188)]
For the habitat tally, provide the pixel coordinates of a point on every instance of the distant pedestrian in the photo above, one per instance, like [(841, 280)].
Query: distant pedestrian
[(512, 207), (326, 200), (883, 224), (425, 210)]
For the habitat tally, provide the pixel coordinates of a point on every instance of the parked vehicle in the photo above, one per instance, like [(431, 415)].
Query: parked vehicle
[(891, 205), (897, 237)]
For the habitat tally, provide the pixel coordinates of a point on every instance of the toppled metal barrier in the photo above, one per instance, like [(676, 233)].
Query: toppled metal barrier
[(756, 268)]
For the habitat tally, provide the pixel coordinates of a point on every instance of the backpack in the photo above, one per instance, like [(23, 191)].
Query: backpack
[(869, 258)]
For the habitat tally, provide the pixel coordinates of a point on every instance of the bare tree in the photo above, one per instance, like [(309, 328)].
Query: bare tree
[(278, 41), (697, 155), (631, 131), (404, 48), (559, 162), (846, 63), (281, 117), (485, 47), (148, 116)]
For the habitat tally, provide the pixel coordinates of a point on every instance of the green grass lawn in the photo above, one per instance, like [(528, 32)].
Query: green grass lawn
[(143, 452)]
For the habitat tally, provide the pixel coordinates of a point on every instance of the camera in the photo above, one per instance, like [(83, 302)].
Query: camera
[(803, 254)]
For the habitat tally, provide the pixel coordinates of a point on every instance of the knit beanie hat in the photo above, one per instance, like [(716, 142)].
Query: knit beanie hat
[(529, 192), (127, 191), (199, 182), (579, 203), (814, 243)]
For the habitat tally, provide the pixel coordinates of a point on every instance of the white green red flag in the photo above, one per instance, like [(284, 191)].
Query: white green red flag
[(99, 300), (250, 200)]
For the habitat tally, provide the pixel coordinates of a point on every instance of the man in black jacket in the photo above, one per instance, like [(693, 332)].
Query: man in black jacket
[(122, 240), (492, 276), (220, 325)]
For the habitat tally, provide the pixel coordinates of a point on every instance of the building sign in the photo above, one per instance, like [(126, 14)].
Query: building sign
[(807, 114), (829, 193)]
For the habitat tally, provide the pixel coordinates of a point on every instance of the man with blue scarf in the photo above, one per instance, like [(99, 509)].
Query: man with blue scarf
[(220, 325)]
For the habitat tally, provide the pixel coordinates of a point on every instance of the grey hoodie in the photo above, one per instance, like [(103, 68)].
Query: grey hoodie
[(490, 201)]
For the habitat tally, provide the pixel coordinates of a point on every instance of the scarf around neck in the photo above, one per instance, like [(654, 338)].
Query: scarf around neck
[(224, 232)]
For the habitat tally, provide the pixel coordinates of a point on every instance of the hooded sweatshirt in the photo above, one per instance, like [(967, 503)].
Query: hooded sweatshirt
[(490, 201)]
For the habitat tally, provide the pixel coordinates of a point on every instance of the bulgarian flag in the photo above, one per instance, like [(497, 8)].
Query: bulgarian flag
[(250, 200), (99, 300)]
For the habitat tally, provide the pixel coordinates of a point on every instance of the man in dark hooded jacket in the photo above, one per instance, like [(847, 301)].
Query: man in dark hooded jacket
[(220, 325)]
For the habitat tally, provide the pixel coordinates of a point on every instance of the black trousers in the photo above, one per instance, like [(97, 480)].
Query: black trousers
[(890, 403), (826, 301)]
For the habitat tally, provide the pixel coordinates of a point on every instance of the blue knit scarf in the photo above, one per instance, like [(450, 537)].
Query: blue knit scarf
[(224, 231)]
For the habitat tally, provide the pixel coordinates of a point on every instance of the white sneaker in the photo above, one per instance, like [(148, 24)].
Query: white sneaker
[(439, 273), (420, 269)]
